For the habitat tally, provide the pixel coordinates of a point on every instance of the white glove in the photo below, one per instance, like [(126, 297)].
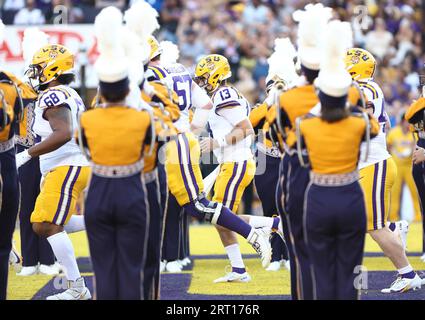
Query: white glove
[(22, 158), (270, 100)]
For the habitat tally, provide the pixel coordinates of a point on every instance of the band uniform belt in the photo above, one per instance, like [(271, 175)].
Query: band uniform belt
[(334, 180), (7, 145), (270, 151), (117, 171), (150, 176)]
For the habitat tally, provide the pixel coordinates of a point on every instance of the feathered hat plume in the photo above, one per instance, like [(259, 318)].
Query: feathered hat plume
[(33, 40), (281, 62), (312, 21), (169, 52), (142, 19), (111, 65), (333, 78)]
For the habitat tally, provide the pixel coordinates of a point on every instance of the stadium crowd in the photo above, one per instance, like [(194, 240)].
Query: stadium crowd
[(245, 30)]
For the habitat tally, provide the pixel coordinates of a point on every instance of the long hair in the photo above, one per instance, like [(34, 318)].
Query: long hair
[(333, 109)]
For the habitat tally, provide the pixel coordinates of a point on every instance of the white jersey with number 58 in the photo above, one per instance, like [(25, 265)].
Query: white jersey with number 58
[(69, 154)]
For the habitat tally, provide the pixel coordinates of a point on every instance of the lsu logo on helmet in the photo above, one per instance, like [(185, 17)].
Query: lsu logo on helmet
[(49, 63), (360, 64), (211, 70)]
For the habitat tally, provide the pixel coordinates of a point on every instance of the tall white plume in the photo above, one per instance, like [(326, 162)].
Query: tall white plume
[(111, 63), (2, 27), (33, 40), (312, 21), (281, 62), (170, 52), (333, 78), (142, 19)]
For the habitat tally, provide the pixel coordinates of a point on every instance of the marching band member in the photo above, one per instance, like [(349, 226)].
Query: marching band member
[(416, 117), (334, 217), (293, 178), (116, 206), (10, 113), (64, 169), (143, 18), (282, 69), (229, 121), (37, 255), (378, 175)]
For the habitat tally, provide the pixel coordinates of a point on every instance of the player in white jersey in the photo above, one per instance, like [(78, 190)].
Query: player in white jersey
[(65, 171), (230, 117), (377, 175)]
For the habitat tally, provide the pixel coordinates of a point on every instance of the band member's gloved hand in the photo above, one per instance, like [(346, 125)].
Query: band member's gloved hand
[(22, 158), (418, 155)]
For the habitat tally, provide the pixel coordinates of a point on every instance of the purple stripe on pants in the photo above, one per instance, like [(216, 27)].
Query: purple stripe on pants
[(375, 178), (384, 173), (226, 192), (189, 160), (238, 183), (62, 194), (179, 150), (68, 204)]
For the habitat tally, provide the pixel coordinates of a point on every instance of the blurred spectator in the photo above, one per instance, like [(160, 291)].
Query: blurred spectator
[(105, 3), (29, 15), (192, 47), (10, 9), (378, 41), (255, 12)]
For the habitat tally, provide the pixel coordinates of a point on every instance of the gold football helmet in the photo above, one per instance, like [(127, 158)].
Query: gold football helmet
[(360, 64), (49, 63), (155, 48), (211, 70)]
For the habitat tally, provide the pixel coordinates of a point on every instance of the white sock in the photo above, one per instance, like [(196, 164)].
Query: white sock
[(260, 222), (64, 252), (405, 269), (75, 224), (235, 256)]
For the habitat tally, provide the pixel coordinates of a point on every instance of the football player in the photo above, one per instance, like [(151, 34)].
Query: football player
[(10, 113), (229, 122), (377, 174), (64, 169), (37, 254)]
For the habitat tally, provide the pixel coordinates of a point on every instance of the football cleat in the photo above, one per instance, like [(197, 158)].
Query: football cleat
[(173, 266), (403, 229), (274, 266), (51, 270), (77, 290), (15, 258), (28, 271), (286, 264), (259, 240), (234, 277), (404, 284), (422, 258)]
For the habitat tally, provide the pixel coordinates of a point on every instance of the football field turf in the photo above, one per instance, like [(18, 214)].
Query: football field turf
[(209, 262)]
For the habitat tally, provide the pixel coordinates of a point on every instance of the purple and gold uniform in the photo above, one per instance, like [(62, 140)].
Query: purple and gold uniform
[(10, 111), (269, 155), (335, 217), (117, 222), (293, 181)]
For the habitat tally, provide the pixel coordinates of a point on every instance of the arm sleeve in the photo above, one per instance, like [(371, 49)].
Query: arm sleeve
[(233, 114), (199, 97)]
